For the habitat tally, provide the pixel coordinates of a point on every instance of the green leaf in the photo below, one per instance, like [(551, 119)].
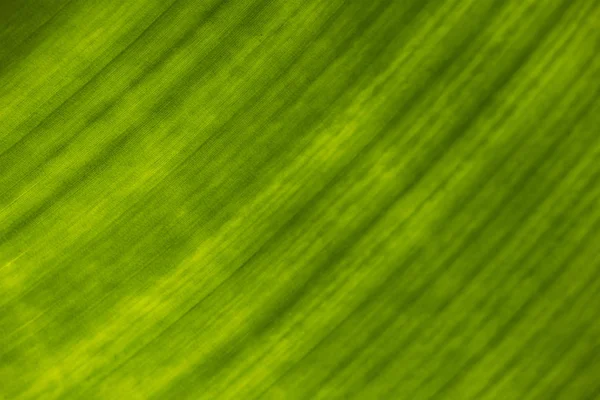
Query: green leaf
[(286, 199)]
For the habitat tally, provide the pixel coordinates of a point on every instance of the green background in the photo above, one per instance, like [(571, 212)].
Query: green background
[(300, 199)]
